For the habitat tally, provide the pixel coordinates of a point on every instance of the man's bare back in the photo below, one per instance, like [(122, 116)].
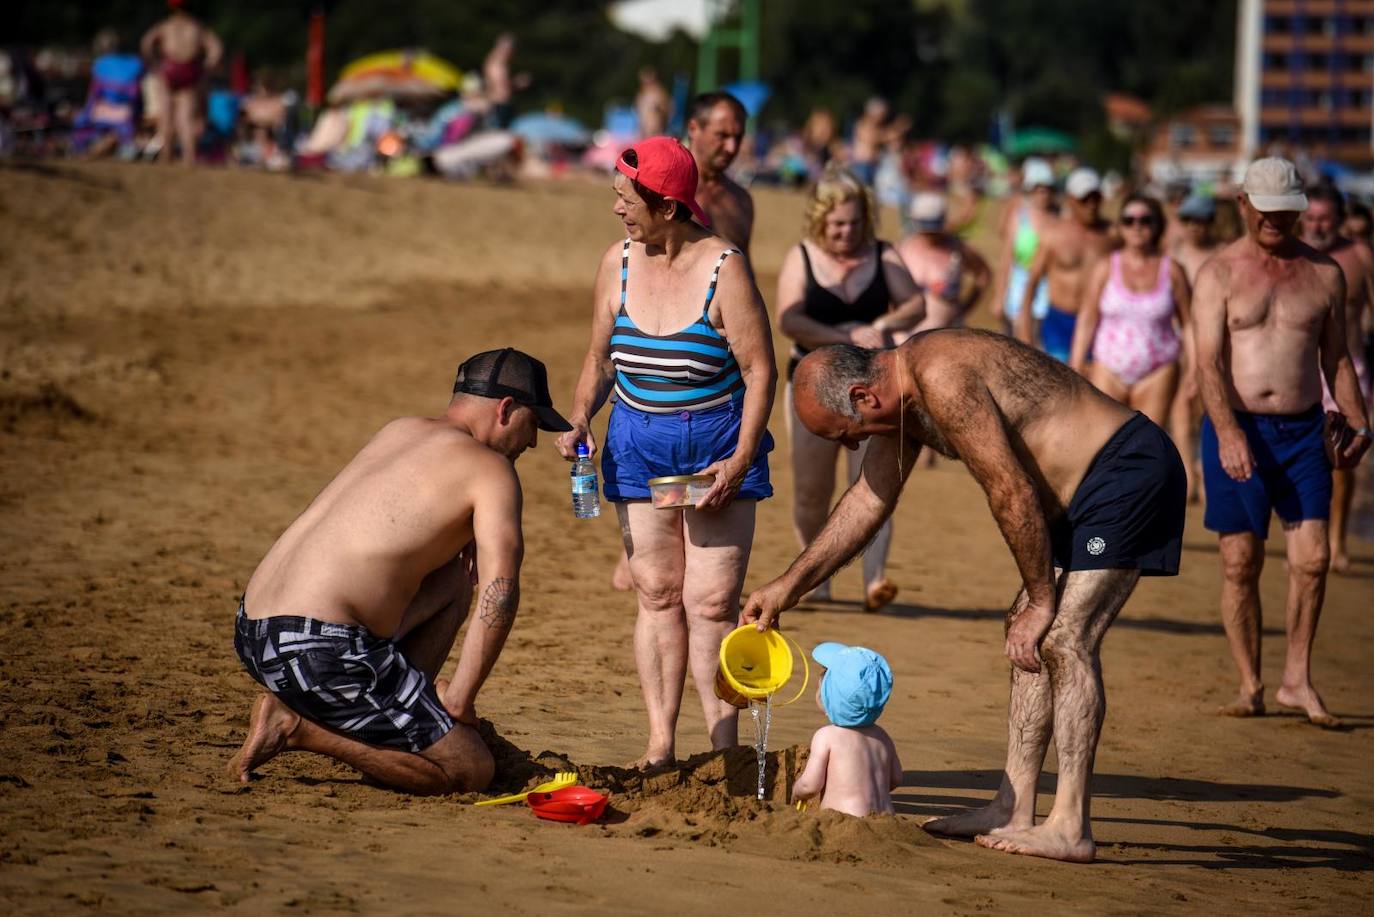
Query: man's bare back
[(1056, 421), (399, 511), (1275, 309)]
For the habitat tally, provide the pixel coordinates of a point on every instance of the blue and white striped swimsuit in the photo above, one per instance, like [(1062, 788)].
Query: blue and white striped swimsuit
[(691, 370)]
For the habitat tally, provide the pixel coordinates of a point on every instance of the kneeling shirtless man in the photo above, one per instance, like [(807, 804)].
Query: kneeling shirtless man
[(1089, 496), (351, 614)]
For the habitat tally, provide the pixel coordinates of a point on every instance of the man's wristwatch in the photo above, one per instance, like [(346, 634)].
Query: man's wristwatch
[(1365, 432)]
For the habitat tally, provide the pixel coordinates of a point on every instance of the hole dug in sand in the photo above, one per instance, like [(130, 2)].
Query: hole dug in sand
[(710, 799)]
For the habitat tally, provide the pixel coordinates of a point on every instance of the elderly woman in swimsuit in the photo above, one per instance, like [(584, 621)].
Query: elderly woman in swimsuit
[(1134, 317), (680, 338), (840, 285)]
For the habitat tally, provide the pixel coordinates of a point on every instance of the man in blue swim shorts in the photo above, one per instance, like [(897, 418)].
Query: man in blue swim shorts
[(349, 617), (1065, 259), (1089, 497), (1269, 322)]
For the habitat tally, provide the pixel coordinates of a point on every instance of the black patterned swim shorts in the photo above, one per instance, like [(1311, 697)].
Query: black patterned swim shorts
[(344, 678)]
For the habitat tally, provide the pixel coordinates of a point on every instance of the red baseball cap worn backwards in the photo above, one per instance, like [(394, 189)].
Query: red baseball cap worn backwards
[(666, 168)]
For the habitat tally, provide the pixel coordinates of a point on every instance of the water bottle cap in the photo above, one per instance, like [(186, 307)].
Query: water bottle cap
[(582, 450)]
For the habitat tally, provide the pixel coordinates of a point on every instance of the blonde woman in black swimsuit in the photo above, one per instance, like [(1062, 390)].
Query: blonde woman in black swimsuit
[(841, 285)]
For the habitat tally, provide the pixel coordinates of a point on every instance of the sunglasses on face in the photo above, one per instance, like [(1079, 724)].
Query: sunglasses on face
[(1143, 220), (1197, 221)]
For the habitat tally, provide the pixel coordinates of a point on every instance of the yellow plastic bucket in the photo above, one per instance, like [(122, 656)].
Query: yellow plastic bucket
[(755, 665)]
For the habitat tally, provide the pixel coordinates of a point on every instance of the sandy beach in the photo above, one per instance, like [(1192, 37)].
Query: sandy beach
[(186, 358)]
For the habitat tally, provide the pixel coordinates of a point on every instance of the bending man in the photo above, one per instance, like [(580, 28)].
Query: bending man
[(1089, 496), (353, 611)]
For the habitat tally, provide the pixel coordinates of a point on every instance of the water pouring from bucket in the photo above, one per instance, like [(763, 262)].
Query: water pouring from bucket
[(753, 667)]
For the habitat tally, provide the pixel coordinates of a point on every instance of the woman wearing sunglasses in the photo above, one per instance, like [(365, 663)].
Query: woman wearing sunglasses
[(1134, 318)]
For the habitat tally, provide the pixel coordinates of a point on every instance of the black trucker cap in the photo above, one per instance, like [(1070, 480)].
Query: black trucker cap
[(511, 373)]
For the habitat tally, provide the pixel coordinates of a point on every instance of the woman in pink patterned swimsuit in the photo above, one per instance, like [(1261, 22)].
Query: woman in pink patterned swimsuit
[(1134, 319)]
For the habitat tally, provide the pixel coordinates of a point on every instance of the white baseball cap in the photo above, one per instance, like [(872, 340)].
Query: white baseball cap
[(1273, 184), (927, 211), (1082, 182), (1036, 173)]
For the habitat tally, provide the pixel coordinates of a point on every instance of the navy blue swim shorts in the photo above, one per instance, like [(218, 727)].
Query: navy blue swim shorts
[(1128, 511), (1292, 474), (640, 446)]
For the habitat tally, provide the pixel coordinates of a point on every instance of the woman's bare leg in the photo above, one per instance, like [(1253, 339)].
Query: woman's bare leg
[(878, 589), (1153, 395), (813, 483), (653, 541), (717, 556)]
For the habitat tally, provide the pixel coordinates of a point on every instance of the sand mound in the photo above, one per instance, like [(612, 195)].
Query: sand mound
[(711, 799)]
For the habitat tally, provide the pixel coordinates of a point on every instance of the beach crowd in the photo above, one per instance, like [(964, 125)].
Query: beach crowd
[(1116, 329), (1154, 347)]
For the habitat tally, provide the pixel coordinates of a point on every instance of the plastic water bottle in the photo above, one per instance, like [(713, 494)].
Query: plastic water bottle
[(585, 498)]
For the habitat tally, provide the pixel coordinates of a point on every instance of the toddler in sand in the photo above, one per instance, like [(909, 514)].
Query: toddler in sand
[(853, 766)]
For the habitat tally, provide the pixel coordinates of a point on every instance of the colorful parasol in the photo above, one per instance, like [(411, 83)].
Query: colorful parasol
[(396, 74)]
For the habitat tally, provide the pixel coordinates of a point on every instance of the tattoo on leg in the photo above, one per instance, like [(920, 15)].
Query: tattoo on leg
[(499, 602)]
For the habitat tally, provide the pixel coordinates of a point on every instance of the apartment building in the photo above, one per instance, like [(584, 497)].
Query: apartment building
[(1305, 78)]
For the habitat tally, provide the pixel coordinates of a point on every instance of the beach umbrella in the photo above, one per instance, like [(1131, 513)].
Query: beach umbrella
[(551, 129), (1030, 140), (414, 74), (751, 94)]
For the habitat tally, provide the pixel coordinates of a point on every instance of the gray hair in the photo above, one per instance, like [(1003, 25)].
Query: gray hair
[(841, 366)]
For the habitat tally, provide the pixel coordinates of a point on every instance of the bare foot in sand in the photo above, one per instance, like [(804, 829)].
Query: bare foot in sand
[(1247, 704), (269, 728), (649, 763), (879, 594), (621, 579), (1043, 840), (1306, 699), (993, 818)]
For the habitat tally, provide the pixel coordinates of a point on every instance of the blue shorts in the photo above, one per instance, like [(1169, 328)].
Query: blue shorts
[(1292, 474), (1056, 333), (1128, 511), (640, 446)]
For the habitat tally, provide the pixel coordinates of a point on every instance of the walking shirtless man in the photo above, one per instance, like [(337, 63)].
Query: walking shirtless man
[(186, 49), (354, 610), (715, 130), (1321, 229), (1269, 319), (1089, 496), (1068, 250)]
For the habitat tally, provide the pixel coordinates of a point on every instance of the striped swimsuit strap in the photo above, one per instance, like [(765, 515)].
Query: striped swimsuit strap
[(691, 369), (710, 289)]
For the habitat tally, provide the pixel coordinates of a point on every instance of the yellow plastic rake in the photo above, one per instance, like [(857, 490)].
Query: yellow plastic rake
[(559, 781)]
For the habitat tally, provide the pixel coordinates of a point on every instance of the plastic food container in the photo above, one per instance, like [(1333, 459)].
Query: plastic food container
[(678, 491)]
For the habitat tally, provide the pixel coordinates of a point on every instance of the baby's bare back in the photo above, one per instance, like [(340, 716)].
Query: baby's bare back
[(859, 776)]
